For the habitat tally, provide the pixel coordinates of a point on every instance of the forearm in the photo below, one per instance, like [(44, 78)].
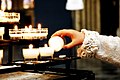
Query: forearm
[(106, 48), (109, 49)]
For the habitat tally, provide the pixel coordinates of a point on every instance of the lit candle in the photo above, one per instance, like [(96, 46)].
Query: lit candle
[(3, 5), (31, 53), (9, 4), (30, 46), (1, 56), (39, 26), (1, 32), (45, 45), (46, 51), (30, 27), (16, 27), (16, 31), (26, 28)]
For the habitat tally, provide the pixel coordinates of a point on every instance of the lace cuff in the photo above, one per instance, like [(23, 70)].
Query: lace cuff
[(90, 44)]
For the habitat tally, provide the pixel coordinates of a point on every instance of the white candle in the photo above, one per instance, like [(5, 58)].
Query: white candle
[(56, 43), (26, 33), (46, 51), (1, 56), (31, 53)]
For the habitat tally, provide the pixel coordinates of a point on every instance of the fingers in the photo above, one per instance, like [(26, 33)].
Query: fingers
[(76, 37), (58, 33), (62, 33)]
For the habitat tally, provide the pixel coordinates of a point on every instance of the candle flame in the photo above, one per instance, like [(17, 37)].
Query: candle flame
[(45, 45), (30, 46), (15, 27), (30, 27), (39, 26), (26, 27)]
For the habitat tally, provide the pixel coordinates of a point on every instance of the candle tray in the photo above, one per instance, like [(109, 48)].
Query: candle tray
[(45, 67), (44, 60)]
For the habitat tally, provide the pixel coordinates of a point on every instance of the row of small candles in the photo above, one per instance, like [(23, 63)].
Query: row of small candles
[(55, 44), (28, 32), (33, 53), (29, 28), (9, 16)]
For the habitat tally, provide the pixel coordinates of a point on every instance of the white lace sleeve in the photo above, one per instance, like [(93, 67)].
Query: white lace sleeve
[(106, 48)]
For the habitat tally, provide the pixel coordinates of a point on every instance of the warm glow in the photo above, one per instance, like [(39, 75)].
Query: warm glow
[(28, 32), (45, 45), (39, 26), (2, 30), (9, 16), (9, 4), (1, 56), (74, 5), (26, 27), (28, 4), (3, 5), (6, 4), (30, 27), (30, 46), (16, 27)]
